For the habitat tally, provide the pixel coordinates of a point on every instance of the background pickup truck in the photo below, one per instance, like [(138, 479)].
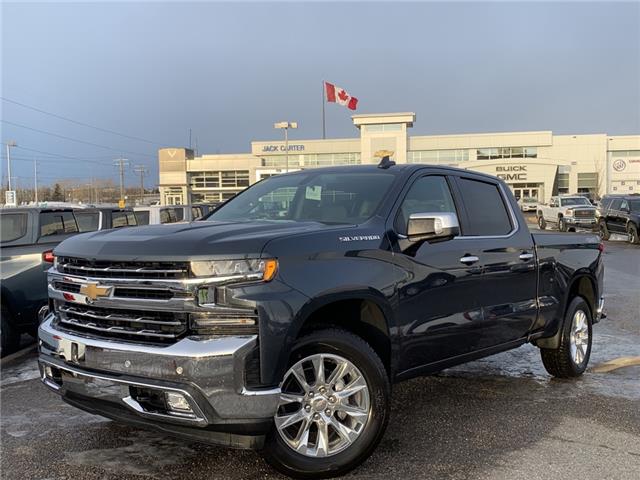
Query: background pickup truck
[(26, 253), (281, 321), (567, 213)]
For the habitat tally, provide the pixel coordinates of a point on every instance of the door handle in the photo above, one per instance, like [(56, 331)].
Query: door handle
[(469, 259), (525, 257)]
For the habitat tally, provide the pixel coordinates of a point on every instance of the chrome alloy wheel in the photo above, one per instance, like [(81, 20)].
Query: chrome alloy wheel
[(579, 337), (324, 405)]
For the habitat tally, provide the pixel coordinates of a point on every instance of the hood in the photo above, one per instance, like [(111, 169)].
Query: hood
[(179, 241)]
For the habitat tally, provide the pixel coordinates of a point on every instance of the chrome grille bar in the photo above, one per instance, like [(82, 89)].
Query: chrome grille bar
[(117, 318), (116, 329)]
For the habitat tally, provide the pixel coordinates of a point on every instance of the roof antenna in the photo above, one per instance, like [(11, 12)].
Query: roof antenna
[(385, 161)]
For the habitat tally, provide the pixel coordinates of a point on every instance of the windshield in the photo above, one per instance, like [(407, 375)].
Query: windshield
[(313, 196), (529, 200), (634, 205), (567, 202)]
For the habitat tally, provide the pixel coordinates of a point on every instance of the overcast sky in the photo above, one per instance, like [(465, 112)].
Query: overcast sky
[(228, 71)]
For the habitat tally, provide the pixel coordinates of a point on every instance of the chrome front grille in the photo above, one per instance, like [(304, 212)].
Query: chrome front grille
[(134, 270), (584, 213), (138, 325)]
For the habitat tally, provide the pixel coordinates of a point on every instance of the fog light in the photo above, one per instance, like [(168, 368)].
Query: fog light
[(178, 403), (47, 371)]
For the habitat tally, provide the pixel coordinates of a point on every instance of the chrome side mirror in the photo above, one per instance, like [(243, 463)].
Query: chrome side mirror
[(432, 226)]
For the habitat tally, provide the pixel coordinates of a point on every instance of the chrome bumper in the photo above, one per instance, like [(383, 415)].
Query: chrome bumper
[(207, 371)]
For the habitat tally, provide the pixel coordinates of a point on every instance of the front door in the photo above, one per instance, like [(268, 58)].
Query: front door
[(439, 311)]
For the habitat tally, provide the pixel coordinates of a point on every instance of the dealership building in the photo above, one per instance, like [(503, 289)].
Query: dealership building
[(534, 164)]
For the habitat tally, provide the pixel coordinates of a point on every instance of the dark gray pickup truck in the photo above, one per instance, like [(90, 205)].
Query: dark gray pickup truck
[(26, 253), (281, 321)]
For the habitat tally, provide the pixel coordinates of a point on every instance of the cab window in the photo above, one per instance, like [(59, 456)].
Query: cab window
[(428, 194), (12, 226), (486, 209), (88, 221), (142, 217), (57, 223), (123, 219)]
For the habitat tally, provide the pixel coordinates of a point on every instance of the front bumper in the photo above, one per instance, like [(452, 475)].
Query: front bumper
[(589, 223), (106, 377)]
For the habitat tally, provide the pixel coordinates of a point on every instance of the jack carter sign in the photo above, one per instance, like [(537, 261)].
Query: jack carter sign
[(281, 148)]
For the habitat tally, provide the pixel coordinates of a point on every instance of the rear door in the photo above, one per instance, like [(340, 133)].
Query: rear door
[(509, 275)]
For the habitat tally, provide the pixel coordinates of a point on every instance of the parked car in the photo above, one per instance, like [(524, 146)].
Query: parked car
[(103, 218), (620, 214), (281, 321), (29, 235), (159, 214), (567, 213), (528, 204)]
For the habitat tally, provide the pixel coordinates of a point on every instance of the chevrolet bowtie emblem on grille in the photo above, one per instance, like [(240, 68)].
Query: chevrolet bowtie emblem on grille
[(93, 291)]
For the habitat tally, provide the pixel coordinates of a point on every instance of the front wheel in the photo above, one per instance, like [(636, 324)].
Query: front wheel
[(603, 230), (9, 336), (571, 356), (541, 223), (632, 232), (333, 408), (562, 224)]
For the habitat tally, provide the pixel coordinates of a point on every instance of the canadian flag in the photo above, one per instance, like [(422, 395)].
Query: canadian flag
[(339, 95)]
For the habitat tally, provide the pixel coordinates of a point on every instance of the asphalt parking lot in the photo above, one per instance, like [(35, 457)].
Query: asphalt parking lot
[(498, 418)]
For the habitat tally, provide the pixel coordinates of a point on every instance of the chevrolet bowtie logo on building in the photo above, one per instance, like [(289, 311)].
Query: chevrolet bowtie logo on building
[(93, 291)]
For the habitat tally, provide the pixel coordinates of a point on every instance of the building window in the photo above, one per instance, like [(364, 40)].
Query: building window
[(506, 152), (563, 183), (383, 127), (312, 160), (224, 179), (626, 153), (587, 182), (446, 157)]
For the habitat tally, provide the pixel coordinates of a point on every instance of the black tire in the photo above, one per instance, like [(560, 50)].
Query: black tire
[(542, 224), (559, 361), (9, 336), (354, 349), (603, 230), (632, 232), (562, 225)]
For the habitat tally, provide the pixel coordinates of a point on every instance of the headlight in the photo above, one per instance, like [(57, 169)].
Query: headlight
[(569, 213), (243, 269)]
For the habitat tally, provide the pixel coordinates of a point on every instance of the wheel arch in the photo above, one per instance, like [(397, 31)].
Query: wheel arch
[(364, 314), (582, 285)]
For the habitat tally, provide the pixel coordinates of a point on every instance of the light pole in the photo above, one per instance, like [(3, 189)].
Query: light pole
[(286, 126), (10, 143)]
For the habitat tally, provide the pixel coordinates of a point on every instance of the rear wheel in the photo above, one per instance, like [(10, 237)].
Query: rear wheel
[(9, 336), (333, 408), (541, 222), (603, 230), (632, 232), (571, 357)]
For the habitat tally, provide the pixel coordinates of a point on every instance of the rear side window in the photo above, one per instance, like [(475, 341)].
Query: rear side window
[(167, 215), (13, 226), (196, 212), (486, 211), (124, 219), (179, 214), (57, 223), (142, 217), (88, 222)]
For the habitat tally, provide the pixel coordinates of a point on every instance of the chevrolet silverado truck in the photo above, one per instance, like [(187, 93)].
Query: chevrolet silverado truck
[(567, 213), (281, 321)]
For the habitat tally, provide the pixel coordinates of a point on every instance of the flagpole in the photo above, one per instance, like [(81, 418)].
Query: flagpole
[(324, 130)]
